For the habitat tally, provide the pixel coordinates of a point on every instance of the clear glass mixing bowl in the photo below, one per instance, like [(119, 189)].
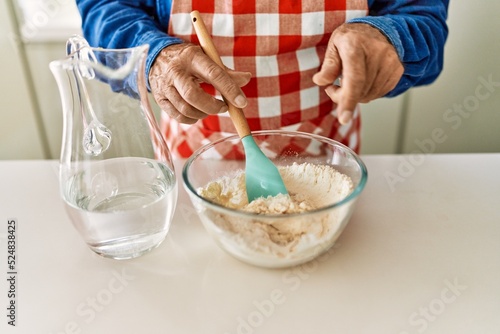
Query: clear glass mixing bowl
[(275, 240)]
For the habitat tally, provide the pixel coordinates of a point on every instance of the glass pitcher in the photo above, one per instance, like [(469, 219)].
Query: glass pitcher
[(116, 174)]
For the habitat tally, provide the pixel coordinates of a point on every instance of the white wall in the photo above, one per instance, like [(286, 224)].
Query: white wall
[(459, 104), (399, 125), (20, 131)]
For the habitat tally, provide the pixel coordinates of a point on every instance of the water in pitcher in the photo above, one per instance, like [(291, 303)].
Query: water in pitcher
[(122, 207)]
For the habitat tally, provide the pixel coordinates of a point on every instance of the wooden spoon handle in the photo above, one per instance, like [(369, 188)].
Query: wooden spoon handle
[(206, 43)]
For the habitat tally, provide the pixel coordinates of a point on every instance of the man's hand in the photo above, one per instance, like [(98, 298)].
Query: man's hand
[(175, 79), (367, 63)]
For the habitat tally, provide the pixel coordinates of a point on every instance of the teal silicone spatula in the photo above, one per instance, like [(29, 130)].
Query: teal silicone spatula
[(262, 177)]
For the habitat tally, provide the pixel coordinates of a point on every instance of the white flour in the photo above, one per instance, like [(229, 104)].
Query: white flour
[(274, 232)]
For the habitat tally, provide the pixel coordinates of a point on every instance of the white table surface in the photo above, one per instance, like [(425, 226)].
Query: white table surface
[(420, 257)]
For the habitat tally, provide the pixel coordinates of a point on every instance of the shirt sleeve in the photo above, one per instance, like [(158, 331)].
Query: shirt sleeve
[(418, 31), (123, 24)]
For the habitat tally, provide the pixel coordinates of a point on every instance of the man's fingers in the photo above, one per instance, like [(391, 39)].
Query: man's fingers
[(168, 108), (183, 113), (369, 65), (354, 82), (240, 78), (330, 69), (335, 92), (189, 96), (175, 78), (345, 116), (210, 72)]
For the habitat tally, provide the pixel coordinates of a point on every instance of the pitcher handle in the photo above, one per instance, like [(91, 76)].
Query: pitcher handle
[(79, 48)]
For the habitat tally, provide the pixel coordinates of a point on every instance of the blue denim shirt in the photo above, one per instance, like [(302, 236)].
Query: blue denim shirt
[(416, 28)]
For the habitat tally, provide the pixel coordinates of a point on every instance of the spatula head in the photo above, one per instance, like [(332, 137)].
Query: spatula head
[(262, 177)]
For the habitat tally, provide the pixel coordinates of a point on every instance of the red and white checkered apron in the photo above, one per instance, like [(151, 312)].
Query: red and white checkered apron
[(282, 43)]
